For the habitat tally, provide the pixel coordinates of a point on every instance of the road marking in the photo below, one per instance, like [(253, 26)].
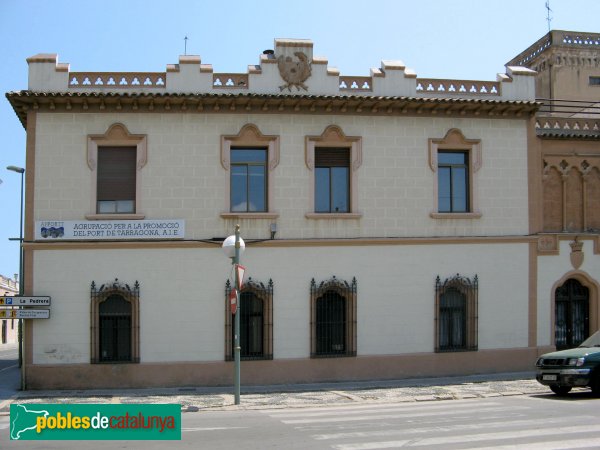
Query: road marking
[(213, 428), (9, 367), (7, 402), (411, 405), (555, 445), (410, 414), (512, 435), (450, 427), (378, 409)]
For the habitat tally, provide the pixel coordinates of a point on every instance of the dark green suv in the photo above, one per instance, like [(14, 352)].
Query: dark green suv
[(579, 366)]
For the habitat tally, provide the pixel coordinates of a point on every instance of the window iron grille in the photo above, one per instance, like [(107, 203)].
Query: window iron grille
[(115, 322), (572, 323), (333, 318), (256, 321), (456, 314)]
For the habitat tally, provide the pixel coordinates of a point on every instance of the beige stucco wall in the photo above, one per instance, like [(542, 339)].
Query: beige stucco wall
[(182, 296), (184, 179)]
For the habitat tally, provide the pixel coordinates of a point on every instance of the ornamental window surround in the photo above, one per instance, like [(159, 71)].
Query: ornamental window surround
[(250, 157), (115, 323), (116, 159), (456, 314), (333, 318), (333, 160), (455, 162), (256, 321)]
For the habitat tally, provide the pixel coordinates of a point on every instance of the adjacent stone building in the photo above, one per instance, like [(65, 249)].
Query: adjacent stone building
[(565, 172), (394, 225), (9, 287)]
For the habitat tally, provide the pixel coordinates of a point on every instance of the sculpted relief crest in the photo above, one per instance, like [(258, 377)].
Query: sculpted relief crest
[(294, 71)]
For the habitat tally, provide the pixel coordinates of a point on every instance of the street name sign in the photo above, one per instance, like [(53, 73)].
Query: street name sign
[(25, 301), (25, 313)]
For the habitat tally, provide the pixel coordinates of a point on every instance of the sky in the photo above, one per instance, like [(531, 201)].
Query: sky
[(457, 39)]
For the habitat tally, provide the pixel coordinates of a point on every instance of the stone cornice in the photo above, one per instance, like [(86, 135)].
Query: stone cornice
[(86, 102)]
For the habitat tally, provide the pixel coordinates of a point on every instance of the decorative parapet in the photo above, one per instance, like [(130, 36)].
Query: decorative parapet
[(290, 69), (567, 127), (556, 38), (230, 81), (460, 87), (117, 80)]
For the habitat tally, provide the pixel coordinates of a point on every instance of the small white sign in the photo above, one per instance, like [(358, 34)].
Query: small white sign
[(108, 230), (25, 313)]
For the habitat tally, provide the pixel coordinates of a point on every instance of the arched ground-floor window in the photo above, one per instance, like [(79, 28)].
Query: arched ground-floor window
[(115, 323), (256, 321), (572, 314), (333, 318), (456, 304)]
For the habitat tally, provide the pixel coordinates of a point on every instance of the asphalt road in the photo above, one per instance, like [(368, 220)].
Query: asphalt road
[(536, 421), (8, 357)]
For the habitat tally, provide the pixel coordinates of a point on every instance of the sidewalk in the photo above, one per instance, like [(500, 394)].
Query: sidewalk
[(300, 395)]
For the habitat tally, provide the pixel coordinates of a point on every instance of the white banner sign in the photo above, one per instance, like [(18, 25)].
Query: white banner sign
[(56, 230)]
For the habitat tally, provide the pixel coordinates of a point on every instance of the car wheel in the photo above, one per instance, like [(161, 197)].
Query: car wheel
[(560, 390), (596, 385)]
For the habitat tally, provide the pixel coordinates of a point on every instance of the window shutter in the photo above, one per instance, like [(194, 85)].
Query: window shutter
[(116, 173), (332, 157)]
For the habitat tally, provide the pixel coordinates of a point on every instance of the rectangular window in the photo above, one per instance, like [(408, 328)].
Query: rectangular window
[(248, 180), (116, 181), (453, 182), (332, 180), (594, 81)]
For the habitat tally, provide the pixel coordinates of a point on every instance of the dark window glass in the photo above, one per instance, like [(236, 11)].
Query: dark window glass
[(453, 182), (572, 324), (332, 180), (594, 81), (251, 326), (248, 180), (115, 190), (331, 324), (453, 319), (115, 329)]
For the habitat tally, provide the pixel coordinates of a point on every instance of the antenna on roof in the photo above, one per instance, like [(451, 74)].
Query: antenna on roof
[(185, 39), (548, 17)]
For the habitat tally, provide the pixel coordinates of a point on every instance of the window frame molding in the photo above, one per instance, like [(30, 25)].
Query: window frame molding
[(117, 135), (334, 137), (263, 292), (349, 292), (98, 295), (250, 136), (455, 140), (470, 289)]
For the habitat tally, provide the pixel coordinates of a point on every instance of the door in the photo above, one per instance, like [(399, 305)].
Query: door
[(572, 323)]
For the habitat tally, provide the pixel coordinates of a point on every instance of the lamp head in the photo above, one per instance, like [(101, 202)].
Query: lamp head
[(15, 169), (229, 246)]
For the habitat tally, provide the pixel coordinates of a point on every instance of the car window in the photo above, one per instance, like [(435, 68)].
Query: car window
[(592, 341)]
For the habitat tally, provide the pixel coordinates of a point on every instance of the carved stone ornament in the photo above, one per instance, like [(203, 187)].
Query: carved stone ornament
[(548, 244), (576, 253), (294, 71)]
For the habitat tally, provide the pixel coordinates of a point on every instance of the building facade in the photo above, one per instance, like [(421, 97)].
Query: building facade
[(390, 222), (565, 170), (9, 287)]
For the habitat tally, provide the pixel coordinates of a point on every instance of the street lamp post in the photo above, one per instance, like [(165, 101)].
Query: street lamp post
[(233, 246), (21, 284)]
